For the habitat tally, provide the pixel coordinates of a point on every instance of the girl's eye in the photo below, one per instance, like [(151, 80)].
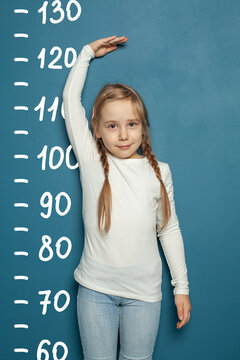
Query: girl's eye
[(112, 126)]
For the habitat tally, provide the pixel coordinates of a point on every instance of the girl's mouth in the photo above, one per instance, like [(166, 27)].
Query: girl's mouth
[(124, 147)]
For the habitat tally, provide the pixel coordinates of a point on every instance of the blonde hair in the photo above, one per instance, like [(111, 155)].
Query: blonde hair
[(113, 92)]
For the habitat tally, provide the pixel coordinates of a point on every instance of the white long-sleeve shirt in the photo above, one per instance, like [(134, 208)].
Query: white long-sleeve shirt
[(126, 260)]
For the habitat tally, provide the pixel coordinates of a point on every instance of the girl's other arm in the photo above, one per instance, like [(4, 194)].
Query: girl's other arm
[(80, 136), (172, 242)]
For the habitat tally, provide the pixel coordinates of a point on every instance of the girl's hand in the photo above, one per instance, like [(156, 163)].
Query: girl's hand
[(183, 305), (105, 45)]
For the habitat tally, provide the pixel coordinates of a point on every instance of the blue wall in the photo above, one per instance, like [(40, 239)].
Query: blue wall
[(183, 57)]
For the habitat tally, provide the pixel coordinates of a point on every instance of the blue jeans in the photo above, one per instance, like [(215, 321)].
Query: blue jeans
[(101, 315)]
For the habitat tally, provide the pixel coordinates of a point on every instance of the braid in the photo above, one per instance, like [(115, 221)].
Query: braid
[(103, 156), (105, 197), (147, 150)]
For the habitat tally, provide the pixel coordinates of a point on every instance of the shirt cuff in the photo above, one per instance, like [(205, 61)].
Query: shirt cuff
[(181, 291), (89, 50)]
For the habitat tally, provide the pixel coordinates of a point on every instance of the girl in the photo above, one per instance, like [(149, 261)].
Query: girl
[(127, 200)]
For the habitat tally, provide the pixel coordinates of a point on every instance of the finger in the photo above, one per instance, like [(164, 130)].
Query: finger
[(181, 323), (109, 38), (116, 40), (123, 40), (180, 312), (186, 317), (119, 39), (111, 49), (113, 45)]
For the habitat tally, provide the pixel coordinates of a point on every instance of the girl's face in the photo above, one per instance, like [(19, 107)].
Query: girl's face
[(119, 129)]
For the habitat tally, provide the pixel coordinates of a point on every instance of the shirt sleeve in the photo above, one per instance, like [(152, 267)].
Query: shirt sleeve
[(172, 241), (80, 136)]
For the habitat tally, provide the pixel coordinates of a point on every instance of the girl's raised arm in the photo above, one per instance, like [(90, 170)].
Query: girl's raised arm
[(80, 136), (172, 241)]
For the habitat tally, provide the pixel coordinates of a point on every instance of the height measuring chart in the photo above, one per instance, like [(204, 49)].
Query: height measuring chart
[(183, 58), (42, 191)]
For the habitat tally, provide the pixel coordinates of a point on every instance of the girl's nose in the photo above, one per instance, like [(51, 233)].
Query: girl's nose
[(123, 134)]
